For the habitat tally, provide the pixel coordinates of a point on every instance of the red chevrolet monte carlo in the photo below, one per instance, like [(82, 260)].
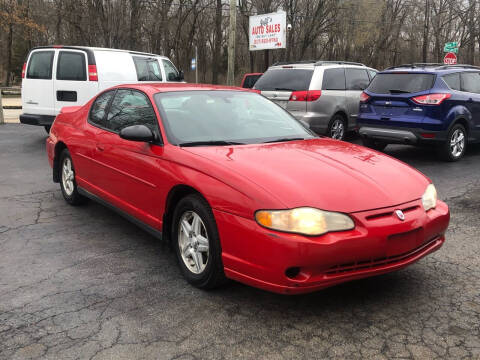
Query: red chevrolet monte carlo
[(242, 190)]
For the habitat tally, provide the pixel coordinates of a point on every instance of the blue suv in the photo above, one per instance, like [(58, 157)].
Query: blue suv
[(422, 104)]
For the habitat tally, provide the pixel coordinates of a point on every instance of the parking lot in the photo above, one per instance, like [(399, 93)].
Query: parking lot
[(81, 282)]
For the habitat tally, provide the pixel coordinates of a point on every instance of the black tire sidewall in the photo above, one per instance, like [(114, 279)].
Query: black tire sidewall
[(213, 273)]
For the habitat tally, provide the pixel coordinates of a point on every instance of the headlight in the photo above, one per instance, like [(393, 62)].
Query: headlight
[(304, 220), (429, 198)]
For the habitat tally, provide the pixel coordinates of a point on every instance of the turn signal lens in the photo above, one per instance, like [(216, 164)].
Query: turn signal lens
[(431, 99), (304, 220), (92, 73), (24, 68), (311, 95), (429, 198), (364, 97)]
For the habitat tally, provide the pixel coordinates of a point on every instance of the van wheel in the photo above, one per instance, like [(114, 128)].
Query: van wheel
[(197, 243), (454, 147), (47, 128), (337, 128), (374, 144), (67, 180)]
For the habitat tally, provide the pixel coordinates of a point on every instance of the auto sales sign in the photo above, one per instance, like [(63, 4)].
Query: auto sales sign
[(268, 31)]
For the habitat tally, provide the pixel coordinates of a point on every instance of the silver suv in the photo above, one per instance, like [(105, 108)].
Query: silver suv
[(323, 94)]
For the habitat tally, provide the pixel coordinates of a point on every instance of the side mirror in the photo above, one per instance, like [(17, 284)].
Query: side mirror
[(137, 133)]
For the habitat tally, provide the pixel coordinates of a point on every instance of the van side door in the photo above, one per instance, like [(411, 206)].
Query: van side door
[(71, 85), (37, 86)]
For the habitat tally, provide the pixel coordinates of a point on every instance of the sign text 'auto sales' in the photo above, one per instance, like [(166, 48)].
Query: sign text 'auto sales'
[(267, 31)]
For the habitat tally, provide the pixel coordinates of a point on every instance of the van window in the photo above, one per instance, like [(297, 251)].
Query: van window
[(334, 79), (372, 74), (471, 82), (40, 65), (71, 66), (171, 72), (398, 83), (285, 79), (97, 112), (357, 79), (130, 107), (453, 81), (148, 69)]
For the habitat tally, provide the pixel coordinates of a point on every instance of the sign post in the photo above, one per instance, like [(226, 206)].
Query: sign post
[(2, 119), (450, 59), (267, 31)]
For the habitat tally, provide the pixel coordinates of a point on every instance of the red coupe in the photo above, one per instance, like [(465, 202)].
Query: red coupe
[(242, 190)]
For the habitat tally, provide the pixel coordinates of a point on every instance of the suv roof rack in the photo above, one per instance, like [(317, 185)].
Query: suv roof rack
[(414, 65), (327, 62), (466, 66), (278, 63)]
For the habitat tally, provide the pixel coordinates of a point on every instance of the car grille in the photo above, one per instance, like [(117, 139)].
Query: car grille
[(376, 263)]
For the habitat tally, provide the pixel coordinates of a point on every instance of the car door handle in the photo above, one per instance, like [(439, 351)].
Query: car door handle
[(100, 147)]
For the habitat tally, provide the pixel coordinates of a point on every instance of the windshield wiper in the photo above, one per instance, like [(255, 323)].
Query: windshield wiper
[(283, 140), (210, 143), (397, 91)]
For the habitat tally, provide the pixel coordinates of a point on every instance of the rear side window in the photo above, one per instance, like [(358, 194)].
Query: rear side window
[(372, 74), (71, 66), (285, 79), (171, 72), (148, 69), (471, 82), (40, 65), (357, 79), (250, 80), (97, 112), (130, 107), (333, 79), (399, 83), (453, 81)]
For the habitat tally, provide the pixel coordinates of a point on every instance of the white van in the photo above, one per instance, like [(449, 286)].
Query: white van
[(58, 76)]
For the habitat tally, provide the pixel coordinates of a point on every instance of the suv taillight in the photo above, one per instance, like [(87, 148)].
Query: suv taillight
[(310, 95), (431, 99), (92, 73), (24, 68), (364, 97)]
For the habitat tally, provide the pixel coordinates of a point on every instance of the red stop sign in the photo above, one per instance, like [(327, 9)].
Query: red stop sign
[(450, 59)]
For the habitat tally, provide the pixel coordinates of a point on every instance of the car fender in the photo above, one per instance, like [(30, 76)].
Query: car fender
[(456, 113)]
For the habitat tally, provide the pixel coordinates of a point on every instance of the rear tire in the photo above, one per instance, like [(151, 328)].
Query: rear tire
[(337, 129), (47, 128), (197, 243), (374, 144), (68, 185), (454, 147)]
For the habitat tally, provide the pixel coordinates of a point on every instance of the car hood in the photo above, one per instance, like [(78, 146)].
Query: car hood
[(321, 173)]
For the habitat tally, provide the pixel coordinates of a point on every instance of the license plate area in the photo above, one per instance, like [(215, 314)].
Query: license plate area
[(403, 243)]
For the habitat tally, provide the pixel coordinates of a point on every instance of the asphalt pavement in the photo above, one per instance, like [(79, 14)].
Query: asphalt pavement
[(83, 283)]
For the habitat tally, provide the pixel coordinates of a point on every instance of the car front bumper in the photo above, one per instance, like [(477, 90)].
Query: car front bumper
[(39, 120), (379, 243)]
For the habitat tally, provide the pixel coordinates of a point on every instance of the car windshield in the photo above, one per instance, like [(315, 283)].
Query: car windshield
[(225, 117), (400, 83)]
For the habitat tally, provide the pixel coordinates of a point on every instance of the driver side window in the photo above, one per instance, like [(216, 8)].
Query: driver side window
[(130, 107)]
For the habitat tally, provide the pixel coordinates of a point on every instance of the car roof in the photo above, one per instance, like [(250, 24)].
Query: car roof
[(430, 68), (89, 48), (153, 88), (311, 64)]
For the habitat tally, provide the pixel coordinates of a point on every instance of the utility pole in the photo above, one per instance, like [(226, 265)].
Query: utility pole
[(231, 43), (426, 26), (196, 64)]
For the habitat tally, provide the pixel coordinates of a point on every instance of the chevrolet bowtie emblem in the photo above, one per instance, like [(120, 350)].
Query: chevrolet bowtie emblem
[(400, 214)]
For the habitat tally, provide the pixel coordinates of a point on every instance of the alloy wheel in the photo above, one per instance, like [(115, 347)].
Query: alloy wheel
[(457, 143), (68, 176), (338, 129), (193, 242)]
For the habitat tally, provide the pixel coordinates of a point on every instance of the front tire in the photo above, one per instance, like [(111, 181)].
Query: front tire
[(454, 147), (337, 129), (67, 180), (197, 243)]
